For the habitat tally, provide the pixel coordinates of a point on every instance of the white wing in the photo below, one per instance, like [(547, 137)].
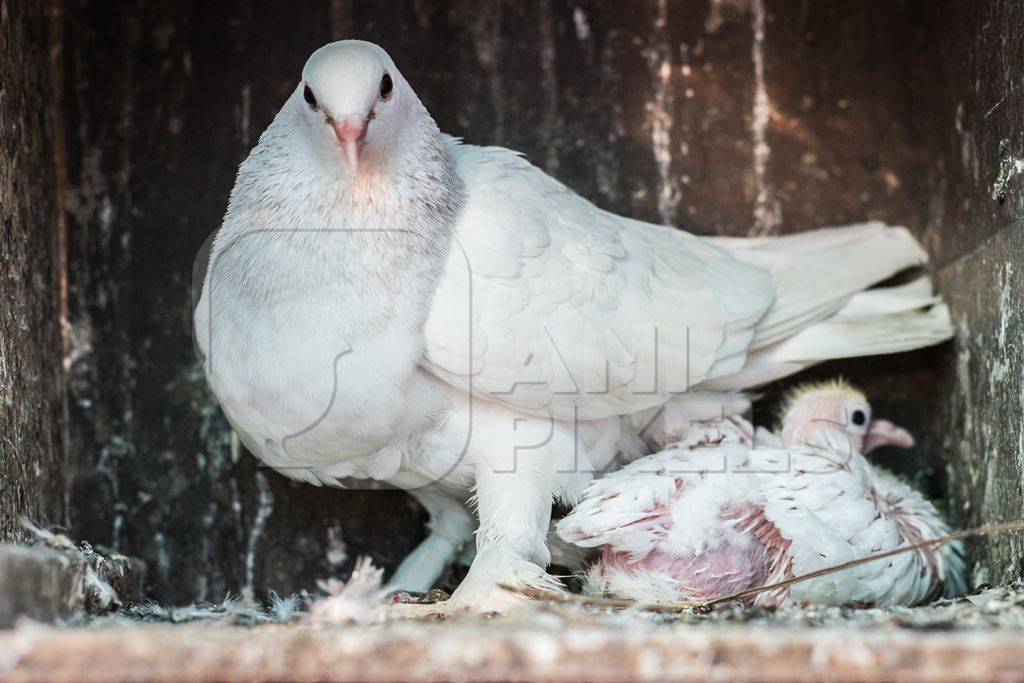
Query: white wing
[(553, 306), (671, 499), (817, 501), (626, 509), (836, 507), (917, 518)]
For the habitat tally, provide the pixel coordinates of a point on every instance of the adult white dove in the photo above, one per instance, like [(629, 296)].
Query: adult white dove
[(383, 301), (700, 523)]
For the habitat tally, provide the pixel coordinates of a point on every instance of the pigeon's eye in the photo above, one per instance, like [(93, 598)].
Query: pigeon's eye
[(386, 86), (307, 94), (859, 418)]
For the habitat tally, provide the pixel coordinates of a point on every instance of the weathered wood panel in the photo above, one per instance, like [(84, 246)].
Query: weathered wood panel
[(31, 457), (970, 96), (720, 116)]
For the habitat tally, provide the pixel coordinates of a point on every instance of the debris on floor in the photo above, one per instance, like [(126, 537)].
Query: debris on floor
[(53, 578), (979, 638), (352, 633), (1000, 608)]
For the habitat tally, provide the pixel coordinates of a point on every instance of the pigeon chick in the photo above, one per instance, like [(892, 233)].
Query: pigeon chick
[(385, 302), (700, 523)]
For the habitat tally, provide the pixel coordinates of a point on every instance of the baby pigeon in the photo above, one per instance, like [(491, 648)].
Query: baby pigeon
[(700, 523), (385, 302)]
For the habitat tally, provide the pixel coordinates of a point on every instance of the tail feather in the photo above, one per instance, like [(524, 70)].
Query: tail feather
[(817, 273), (851, 336), (862, 328), (913, 295)]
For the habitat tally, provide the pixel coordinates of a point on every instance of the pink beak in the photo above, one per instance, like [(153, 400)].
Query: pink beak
[(351, 134), (885, 433)]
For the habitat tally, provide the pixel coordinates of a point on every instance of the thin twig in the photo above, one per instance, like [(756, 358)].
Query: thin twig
[(677, 607)]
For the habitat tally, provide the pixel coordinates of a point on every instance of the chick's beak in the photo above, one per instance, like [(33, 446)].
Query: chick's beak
[(885, 433), (351, 134)]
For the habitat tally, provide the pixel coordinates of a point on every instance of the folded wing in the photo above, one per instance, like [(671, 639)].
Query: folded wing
[(553, 306), (557, 308)]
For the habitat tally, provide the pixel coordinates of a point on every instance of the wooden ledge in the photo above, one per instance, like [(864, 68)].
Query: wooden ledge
[(497, 651)]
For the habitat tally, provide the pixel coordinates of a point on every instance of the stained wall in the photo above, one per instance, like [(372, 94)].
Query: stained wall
[(32, 455), (738, 117)]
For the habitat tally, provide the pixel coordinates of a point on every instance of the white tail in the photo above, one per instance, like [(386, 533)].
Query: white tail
[(845, 335), (824, 309), (817, 272)]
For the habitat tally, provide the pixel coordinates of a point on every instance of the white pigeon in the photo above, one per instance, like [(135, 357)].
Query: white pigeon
[(383, 301), (695, 523)]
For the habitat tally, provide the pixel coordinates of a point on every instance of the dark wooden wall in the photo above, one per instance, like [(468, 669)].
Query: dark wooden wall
[(32, 480), (972, 107), (721, 116)]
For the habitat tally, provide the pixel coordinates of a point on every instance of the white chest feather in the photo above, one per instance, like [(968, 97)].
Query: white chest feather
[(313, 308)]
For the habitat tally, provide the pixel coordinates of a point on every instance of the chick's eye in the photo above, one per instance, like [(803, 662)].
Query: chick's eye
[(307, 94), (859, 418), (386, 86)]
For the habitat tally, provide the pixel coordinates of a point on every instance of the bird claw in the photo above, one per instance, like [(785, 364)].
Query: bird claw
[(497, 601), (418, 611), (434, 595)]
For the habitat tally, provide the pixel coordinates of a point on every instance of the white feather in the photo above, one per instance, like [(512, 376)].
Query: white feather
[(359, 600)]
